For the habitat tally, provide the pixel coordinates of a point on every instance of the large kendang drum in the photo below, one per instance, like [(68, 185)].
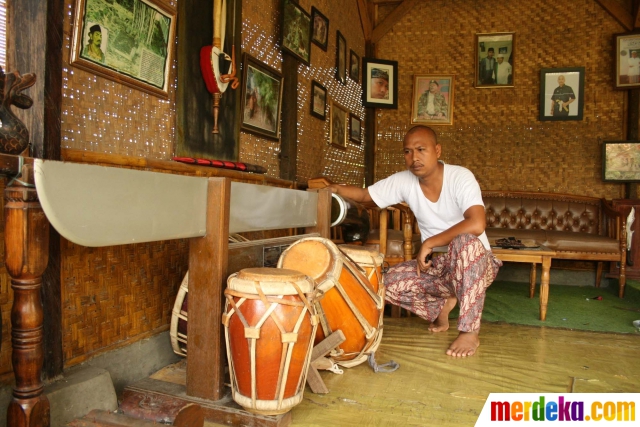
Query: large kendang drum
[(270, 325), (346, 299)]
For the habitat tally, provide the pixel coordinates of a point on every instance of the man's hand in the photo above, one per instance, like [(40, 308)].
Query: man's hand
[(424, 259)]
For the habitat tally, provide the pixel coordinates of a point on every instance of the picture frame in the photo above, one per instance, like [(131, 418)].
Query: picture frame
[(432, 100), (621, 161), (354, 66), (296, 31), (320, 29), (355, 128), (261, 98), (318, 100), (136, 52), (627, 61), (376, 92), (341, 58), (560, 101), (494, 59), (338, 126)]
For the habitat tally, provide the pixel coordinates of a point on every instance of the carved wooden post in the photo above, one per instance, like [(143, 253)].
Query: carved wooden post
[(26, 239)]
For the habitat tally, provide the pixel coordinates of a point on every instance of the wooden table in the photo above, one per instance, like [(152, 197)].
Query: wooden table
[(539, 255)]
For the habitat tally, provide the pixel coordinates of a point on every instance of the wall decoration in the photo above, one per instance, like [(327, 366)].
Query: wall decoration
[(495, 60), (262, 98), (621, 161), (561, 93), (296, 31), (318, 100), (355, 128), (432, 100), (354, 66), (379, 83), (341, 58), (627, 61), (320, 34), (338, 126), (130, 45)]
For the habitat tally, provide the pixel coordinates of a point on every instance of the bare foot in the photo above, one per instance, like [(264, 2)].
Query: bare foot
[(441, 324), (465, 345)]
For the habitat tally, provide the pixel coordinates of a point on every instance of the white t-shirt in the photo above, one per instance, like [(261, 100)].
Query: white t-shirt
[(460, 191)]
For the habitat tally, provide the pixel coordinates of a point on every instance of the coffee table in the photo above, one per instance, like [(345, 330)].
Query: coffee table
[(537, 255)]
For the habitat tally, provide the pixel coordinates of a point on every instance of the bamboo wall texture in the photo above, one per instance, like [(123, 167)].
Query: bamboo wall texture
[(496, 132)]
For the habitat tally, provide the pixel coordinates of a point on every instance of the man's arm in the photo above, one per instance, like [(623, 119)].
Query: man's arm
[(474, 222), (357, 194)]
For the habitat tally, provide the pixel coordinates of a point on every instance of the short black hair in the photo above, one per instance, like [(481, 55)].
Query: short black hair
[(95, 28)]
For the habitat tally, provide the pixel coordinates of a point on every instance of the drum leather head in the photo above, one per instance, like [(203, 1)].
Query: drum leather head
[(266, 274), (311, 257), (362, 255)]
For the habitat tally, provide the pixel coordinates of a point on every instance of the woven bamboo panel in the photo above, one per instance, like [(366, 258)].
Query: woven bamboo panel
[(496, 132), (115, 293), (316, 156)]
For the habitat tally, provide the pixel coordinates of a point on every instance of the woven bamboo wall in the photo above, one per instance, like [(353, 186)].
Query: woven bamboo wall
[(496, 132), (261, 35)]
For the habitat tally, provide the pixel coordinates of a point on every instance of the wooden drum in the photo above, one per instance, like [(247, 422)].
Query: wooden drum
[(370, 260), (346, 299), (269, 322), (178, 328)]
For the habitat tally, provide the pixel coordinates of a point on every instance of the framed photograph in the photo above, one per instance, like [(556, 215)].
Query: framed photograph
[(355, 128), (341, 58), (432, 100), (261, 98), (561, 93), (379, 83), (621, 161), (627, 61), (320, 34), (354, 66), (495, 56), (318, 100), (296, 31), (338, 126), (132, 44)]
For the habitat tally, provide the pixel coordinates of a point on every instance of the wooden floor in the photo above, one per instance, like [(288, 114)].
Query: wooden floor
[(431, 388)]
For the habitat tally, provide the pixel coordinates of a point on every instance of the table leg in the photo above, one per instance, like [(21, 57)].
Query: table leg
[(532, 280), (544, 286)]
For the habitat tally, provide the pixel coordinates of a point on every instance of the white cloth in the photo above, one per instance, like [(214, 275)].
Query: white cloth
[(634, 66), (460, 191), (504, 70)]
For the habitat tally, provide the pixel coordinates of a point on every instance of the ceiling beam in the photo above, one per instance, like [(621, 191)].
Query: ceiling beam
[(619, 13), (385, 26), (365, 19)]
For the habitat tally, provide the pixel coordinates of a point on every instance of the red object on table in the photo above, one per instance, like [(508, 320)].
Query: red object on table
[(225, 164)]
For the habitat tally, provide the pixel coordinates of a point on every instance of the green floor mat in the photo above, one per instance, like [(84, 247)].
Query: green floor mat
[(571, 307)]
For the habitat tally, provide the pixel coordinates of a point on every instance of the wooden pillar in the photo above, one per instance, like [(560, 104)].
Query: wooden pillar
[(26, 239), (633, 126), (208, 256), (289, 140), (370, 132)]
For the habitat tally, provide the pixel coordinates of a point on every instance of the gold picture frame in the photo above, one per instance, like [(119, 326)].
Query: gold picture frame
[(432, 99), (490, 71), (137, 52)]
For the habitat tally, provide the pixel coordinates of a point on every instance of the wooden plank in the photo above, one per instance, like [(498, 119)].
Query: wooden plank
[(223, 411), (323, 225), (365, 19), (385, 26), (289, 139), (190, 415), (208, 256), (618, 13)]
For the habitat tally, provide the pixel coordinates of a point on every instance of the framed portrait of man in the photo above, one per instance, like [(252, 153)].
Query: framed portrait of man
[(320, 33), (432, 100), (627, 61), (561, 93), (379, 83), (495, 58), (318, 100), (338, 126)]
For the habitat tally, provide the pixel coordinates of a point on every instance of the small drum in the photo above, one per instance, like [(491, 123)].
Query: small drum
[(369, 259), (269, 324), (178, 329), (347, 300)]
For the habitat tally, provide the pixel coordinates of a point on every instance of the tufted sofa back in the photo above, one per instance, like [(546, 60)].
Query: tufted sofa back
[(542, 211)]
